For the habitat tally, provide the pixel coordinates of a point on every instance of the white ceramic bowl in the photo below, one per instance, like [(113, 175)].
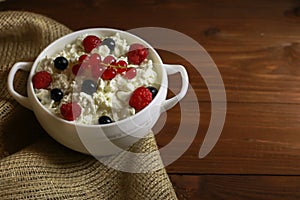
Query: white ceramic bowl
[(100, 139)]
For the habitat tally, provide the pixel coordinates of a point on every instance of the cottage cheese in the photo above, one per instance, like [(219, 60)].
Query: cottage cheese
[(111, 97)]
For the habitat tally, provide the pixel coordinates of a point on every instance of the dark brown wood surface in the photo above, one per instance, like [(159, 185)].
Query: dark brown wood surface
[(256, 47)]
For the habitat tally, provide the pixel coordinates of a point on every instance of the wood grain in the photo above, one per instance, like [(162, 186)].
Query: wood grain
[(257, 53), (214, 187), (256, 139), (256, 48)]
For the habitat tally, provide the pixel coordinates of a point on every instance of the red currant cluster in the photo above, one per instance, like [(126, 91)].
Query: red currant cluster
[(106, 69), (109, 67)]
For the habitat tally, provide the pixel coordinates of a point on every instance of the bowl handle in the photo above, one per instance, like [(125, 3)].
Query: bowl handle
[(26, 66), (172, 69)]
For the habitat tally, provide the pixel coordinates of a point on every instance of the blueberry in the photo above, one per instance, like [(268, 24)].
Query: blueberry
[(153, 90), (110, 43), (104, 120), (56, 94), (61, 63), (89, 87)]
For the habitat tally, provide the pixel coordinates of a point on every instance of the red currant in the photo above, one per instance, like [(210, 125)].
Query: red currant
[(75, 69), (94, 59), (108, 60), (114, 64), (109, 73), (82, 58), (97, 71), (121, 70), (130, 73), (122, 63)]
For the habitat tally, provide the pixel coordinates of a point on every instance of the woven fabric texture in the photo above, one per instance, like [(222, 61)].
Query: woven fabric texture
[(34, 166)]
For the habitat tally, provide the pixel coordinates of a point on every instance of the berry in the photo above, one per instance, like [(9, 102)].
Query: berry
[(82, 58), (110, 43), (94, 59), (153, 90), (56, 94), (137, 54), (108, 60), (140, 98), (121, 66), (61, 63), (114, 64), (41, 80), (70, 111), (89, 87), (104, 120), (121, 70), (90, 42), (97, 71), (121, 63), (75, 69), (85, 65), (109, 73), (130, 73), (89, 61)]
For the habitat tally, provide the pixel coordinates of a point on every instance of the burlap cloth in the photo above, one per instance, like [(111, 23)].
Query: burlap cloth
[(34, 166)]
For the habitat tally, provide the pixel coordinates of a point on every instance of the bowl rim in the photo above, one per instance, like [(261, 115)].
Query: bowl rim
[(97, 30)]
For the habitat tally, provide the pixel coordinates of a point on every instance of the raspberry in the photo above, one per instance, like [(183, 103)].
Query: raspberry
[(41, 80), (137, 54), (70, 111), (140, 98), (90, 42)]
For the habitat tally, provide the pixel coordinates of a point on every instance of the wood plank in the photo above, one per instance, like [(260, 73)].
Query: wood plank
[(257, 53), (212, 187), (260, 79), (256, 139)]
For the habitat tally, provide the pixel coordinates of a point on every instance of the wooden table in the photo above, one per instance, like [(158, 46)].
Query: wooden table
[(256, 47)]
